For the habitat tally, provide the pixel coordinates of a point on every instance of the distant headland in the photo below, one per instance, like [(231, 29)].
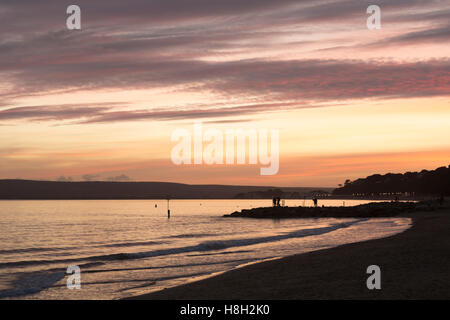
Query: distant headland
[(105, 190), (423, 183)]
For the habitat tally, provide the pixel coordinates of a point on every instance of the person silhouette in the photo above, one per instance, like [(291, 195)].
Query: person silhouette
[(278, 201), (315, 202), (274, 201)]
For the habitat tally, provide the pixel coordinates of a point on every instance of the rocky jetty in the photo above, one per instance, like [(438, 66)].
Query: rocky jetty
[(370, 210)]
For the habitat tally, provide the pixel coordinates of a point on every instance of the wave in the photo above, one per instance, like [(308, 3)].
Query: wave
[(29, 250), (191, 235), (224, 244), (218, 253), (171, 266), (56, 249), (201, 247), (32, 282), (131, 244)]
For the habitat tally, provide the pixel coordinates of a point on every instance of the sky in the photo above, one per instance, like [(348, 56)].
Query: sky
[(101, 103)]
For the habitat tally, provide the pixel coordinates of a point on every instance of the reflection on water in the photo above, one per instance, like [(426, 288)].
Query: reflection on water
[(127, 247)]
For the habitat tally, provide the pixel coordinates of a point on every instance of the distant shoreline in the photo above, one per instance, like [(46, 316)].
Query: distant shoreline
[(101, 190), (11, 189)]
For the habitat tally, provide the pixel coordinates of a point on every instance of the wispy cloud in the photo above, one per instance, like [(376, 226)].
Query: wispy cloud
[(302, 79), (433, 35), (289, 84), (89, 114)]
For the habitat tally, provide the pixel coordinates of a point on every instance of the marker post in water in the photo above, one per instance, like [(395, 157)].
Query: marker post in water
[(168, 209)]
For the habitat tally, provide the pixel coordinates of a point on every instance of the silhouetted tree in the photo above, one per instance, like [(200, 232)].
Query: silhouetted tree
[(425, 182)]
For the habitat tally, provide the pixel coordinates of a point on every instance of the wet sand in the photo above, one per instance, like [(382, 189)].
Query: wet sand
[(414, 265)]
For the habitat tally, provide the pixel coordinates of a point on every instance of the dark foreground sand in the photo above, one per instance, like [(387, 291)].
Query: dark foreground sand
[(414, 265)]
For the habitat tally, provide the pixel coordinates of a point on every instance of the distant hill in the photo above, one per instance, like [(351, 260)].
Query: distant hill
[(425, 182), (29, 189)]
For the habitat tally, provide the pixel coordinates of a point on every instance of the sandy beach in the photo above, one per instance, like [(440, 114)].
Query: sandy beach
[(414, 264)]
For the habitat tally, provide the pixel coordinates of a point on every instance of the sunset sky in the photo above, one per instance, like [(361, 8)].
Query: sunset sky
[(101, 103)]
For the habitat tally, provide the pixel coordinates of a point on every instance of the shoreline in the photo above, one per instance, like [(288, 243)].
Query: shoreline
[(414, 265)]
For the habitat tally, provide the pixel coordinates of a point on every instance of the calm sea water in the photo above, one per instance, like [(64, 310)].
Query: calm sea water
[(129, 247)]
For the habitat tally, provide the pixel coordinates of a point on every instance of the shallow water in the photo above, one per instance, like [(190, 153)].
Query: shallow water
[(129, 247)]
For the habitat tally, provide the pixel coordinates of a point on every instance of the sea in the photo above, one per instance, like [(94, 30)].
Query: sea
[(114, 249)]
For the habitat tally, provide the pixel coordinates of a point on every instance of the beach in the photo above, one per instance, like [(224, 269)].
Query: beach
[(414, 264)]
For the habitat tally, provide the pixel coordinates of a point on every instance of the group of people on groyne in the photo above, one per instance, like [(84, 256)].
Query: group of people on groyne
[(315, 201), (276, 201)]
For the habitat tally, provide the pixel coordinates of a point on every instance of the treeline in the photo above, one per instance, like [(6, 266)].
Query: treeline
[(425, 182)]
